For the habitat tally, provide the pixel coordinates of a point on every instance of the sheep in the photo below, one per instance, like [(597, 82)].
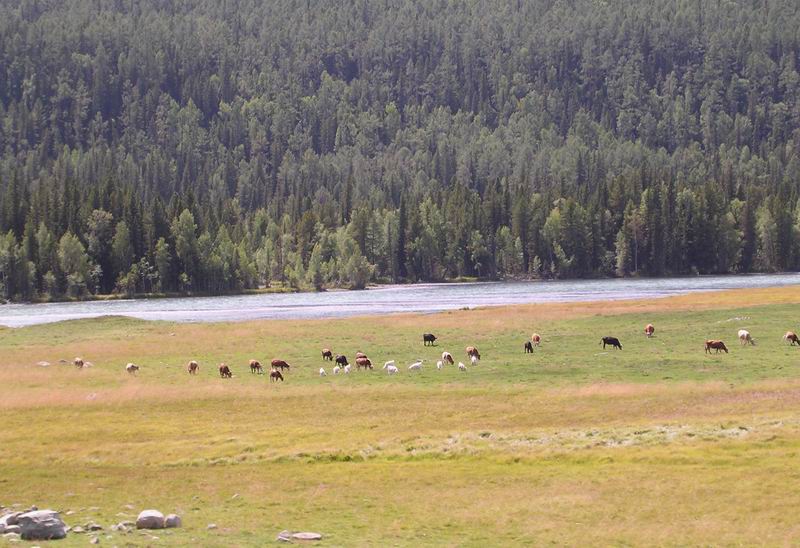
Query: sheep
[(336, 370), (347, 368), (391, 369), (461, 366), (447, 358), (474, 360), (132, 368), (439, 365), (416, 366), (322, 372), (389, 363)]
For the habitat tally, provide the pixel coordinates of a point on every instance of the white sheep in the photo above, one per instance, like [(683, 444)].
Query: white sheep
[(336, 370), (473, 359), (347, 368), (439, 365), (322, 372), (416, 366), (461, 366), (391, 369), (388, 364)]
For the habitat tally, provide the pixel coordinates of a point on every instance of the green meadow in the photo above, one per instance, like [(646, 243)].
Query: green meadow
[(658, 443)]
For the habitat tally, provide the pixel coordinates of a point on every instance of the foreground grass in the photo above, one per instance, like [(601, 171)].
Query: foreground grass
[(657, 444)]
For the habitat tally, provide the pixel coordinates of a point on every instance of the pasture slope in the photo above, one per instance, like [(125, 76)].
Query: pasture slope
[(655, 444)]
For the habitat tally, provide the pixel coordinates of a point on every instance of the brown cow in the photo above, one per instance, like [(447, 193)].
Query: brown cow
[(78, 362), (448, 358), (363, 362), (536, 339), (255, 367), (275, 376), (791, 336), (225, 371), (327, 354), (192, 367), (360, 355), (280, 364), (715, 345), (472, 351), (649, 330)]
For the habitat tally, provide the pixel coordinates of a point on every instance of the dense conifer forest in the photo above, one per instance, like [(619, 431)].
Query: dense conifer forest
[(220, 145)]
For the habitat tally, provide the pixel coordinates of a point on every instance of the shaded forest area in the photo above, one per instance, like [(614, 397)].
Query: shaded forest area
[(218, 145)]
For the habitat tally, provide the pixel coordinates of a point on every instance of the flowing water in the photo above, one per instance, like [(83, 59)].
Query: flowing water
[(383, 300)]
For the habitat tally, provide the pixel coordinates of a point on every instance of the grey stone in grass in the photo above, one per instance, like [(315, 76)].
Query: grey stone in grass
[(150, 519), (41, 525), (172, 520), (307, 535)]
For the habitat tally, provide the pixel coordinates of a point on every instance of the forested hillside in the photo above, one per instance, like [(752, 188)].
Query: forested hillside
[(217, 145)]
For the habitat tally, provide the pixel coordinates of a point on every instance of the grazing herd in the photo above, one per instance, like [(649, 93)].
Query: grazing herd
[(362, 361)]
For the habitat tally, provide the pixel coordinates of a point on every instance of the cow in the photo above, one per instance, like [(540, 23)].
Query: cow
[(280, 364), (275, 376), (363, 362), (649, 329), (428, 338), (528, 347), (611, 341), (448, 358), (715, 345), (255, 367), (327, 354), (342, 360), (536, 339), (192, 367), (792, 338), (225, 371), (745, 338), (473, 352), (132, 368), (78, 362), (360, 355)]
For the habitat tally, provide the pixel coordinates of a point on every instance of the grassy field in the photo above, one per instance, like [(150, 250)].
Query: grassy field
[(655, 444)]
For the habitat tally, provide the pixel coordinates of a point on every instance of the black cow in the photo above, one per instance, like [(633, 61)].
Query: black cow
[(528, 347), (611, 341), (341, 360), (428, 338)]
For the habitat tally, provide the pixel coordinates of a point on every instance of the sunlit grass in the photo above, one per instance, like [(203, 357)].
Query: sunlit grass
[(655, 444)]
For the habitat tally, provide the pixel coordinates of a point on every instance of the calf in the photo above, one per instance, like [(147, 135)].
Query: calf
[(715, 345), (428, 338), (792, 338), (611, 341), (327, 354), (649, 330), (275, 376), (473, 352), (280, 364), (255, 367), (536, 339), (225, 371), (131, 368), (528, 347)]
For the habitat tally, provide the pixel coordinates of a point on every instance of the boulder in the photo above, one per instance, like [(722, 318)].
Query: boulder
[(172, 520), (11, 537), (10, 519), (150, 519), (41, 525), (14, 529)]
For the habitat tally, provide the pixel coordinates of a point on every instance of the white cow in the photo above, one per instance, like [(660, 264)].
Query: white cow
[(745, 337)]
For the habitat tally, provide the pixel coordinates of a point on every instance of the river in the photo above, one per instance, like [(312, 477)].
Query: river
[(382, 300)]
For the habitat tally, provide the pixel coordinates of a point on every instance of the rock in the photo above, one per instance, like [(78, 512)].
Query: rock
[(11, 537), (16, 529), (235, 496), (41, 525), (92, 526), (172, 520), (150, 519), (284, 536), (211, 526), (307, 536), (10, 519), (77, 530), (43, 364)]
